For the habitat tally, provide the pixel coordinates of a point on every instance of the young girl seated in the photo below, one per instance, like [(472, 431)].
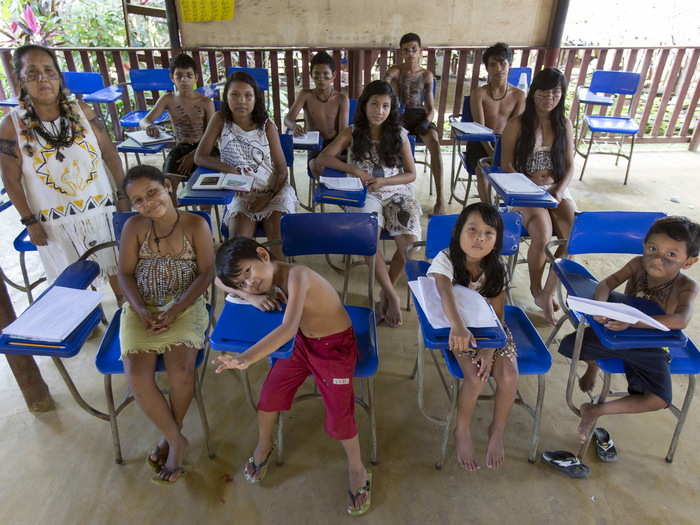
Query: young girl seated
[(472, 260), (540, 144), (249, 141), (166, 261), (380, 156)]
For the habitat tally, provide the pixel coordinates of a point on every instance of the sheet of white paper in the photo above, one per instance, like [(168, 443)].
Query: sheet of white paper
[(617, 311), (144, 139), (308, 139), (516, 183), (342, 183), (474, 310), (471, 128), (237, 182), (54, 316)]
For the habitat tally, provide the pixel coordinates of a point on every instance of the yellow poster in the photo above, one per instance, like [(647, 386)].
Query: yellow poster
[(206, 10)]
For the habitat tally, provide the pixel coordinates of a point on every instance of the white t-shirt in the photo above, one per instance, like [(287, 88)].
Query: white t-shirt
[(443, 265)]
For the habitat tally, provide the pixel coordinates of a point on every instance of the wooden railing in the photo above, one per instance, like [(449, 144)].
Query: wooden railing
[(666, 106)]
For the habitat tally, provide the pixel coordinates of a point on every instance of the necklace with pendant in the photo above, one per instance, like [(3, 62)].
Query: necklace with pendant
[(155, 235)]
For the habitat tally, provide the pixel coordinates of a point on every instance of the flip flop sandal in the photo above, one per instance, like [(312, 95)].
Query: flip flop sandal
[(367, 489), (155, 464), (566, 463), (158, 480), (604, 445), (258, 471)]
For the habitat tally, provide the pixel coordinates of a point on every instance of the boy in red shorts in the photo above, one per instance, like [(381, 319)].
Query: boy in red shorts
[(325, 347)]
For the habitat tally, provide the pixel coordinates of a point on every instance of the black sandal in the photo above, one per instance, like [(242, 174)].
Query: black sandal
[(604, 445), (566, 463)]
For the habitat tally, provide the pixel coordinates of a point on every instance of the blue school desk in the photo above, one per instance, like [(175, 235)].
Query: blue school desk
[(528, 200), (78, 275), (215, 198), (324, 195)]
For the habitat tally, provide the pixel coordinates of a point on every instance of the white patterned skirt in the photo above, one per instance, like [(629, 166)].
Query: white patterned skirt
[(284, 202)]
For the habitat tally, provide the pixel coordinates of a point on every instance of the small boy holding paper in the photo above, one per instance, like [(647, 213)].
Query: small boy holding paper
[(671, 245)]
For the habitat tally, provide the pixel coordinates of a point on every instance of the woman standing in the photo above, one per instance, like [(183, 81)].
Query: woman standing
[(539, 143), (53, 155)]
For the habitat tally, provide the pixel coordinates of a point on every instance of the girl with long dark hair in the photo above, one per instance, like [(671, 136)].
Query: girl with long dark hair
[(380, 156), (539, 143), (249, 141), (472, 260)]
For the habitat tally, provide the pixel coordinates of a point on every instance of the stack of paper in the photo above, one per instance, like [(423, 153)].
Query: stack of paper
[(516, 183), (144, 139), (616, 311), (342, 183), (474, 310), (471, 128), (310, 138), (54, 316)]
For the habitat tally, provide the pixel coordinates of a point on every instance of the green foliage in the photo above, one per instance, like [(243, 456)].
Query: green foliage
[(92, 23)]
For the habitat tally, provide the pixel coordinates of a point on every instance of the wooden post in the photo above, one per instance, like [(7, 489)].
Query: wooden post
[(34, 389), (556, 29)]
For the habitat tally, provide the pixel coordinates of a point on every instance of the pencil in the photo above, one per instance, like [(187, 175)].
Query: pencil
[(339, 198), (37, 345)]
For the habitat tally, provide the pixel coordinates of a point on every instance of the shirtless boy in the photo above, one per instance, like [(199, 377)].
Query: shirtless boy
[(414, 86), (492, 105), (325, 347), (325, 109), (671, 245), (189, 113)]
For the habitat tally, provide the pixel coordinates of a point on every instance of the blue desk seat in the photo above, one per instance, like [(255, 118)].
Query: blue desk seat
[(133, 118), (131, 146), (324, 195), (147, 80)]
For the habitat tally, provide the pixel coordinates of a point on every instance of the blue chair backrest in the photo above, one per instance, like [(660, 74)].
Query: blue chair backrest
[(497, 155), (610, 231), (332, 233), (440, 233), (82, 83), (259, 74), (467, 110), (514, 75), (119, 219), (615, 82), (351, 110), (151, 80), (412, 142), (287, 141)]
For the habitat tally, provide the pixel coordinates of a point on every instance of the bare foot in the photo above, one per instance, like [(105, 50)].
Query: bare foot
[(439, 208), (172, 469), (587, 421), (392, 313), (546, 302), (465, 451), (358, 479), (379, 309), (494, 451), (587, 381)]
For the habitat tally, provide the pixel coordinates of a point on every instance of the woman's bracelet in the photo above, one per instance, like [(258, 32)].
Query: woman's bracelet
[(29, 220)]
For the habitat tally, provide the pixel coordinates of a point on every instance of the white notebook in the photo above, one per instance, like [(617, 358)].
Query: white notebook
[(144, 139), (310, 138), (342, 183), (617, 311), (471, 128), (475, 311), (224, 181), (55, 315), (517, 183)]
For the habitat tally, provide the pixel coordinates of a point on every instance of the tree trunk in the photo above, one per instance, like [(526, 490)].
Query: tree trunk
[(34, 389)]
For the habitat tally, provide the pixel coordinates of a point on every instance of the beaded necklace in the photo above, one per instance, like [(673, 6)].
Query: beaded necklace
[(488, 88), (59, 136)]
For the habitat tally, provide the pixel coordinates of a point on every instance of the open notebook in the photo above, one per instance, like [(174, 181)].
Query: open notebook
[(224, 181), (54, 316), (144, 139), (516, 183), (342, 183), (471, 128), (474, 310), (310, 138)]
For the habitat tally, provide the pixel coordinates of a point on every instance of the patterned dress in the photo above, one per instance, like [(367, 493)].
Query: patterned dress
[(250, 150), (72, 198)]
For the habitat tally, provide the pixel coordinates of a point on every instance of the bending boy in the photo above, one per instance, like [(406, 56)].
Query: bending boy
[(325, 347), (492, 105), (414, 86), (325, 109)]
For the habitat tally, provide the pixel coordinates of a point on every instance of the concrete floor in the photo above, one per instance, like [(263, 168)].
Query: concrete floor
[(58, 467)]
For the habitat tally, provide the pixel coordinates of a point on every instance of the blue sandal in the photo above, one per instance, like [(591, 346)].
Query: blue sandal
[(258, 471)]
